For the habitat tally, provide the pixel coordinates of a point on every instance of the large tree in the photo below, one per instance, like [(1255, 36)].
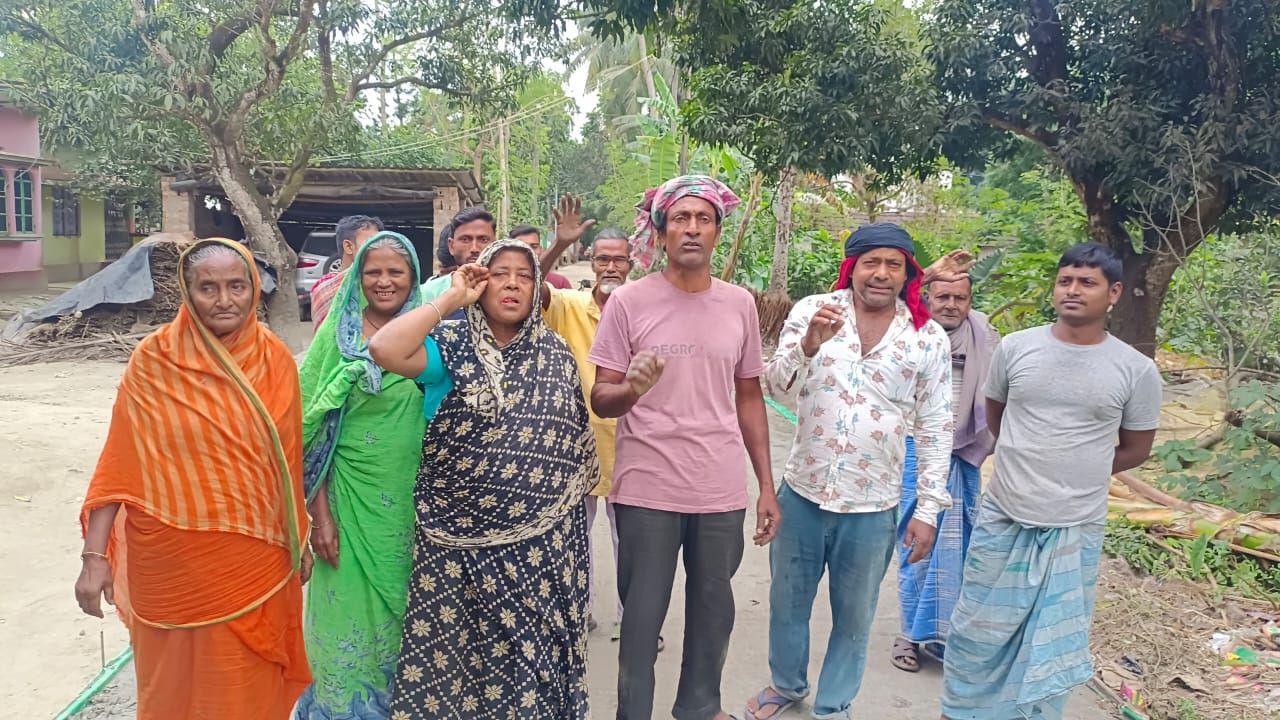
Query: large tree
[(1164, 114), (252, 89), (831, 87)]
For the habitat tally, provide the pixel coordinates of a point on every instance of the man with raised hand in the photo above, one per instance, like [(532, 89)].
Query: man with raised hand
[(871, 369)]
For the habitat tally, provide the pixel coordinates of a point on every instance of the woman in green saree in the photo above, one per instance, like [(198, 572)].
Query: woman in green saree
[(362, 433)]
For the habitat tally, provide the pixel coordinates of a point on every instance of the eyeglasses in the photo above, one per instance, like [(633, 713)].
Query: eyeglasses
[(606, 261)]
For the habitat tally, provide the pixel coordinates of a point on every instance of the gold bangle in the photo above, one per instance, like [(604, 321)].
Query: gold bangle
[(435, 307), (89, 553)]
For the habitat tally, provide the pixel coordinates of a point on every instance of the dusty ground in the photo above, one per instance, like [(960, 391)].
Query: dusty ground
[(53, 418)]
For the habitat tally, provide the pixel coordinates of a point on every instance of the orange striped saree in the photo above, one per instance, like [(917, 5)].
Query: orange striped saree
[(204, 454)]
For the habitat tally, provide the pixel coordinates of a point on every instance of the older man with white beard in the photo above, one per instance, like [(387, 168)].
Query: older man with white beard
[(928, 591), (575, 315)]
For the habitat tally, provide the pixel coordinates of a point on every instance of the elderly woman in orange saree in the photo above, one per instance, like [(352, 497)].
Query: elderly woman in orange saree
[(194, 521)]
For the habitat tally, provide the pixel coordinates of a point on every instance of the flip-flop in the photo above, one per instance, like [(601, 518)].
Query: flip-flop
[(764, 700), (904, 655)]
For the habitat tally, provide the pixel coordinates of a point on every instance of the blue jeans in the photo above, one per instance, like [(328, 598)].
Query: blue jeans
[(857, 548)]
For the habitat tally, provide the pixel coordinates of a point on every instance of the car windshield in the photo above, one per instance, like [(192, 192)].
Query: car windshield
[(322, 244)]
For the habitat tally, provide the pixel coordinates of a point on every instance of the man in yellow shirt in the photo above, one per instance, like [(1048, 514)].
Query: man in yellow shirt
[(575, 315)]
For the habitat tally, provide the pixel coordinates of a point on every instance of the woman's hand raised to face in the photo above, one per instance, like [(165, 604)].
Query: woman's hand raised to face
[(469, 281)]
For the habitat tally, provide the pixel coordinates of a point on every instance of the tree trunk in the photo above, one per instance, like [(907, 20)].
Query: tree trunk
[(782, 235), (753, 201), (676, 94), (504, 203), (265, 239), (1146, 281), (646, 69), (535, 187)]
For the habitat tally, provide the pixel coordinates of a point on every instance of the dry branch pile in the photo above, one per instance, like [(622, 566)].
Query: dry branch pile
[(108, 331)]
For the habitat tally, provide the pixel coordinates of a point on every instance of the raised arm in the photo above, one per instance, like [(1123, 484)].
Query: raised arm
[(615, 393), (570, 227), (398, 346), (949, 268), (805, 330)]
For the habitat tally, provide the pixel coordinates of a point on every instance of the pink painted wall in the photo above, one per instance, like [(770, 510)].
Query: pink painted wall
[(20, 256), (19, 133)]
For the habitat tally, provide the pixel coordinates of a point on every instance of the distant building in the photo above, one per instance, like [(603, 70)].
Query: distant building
[(49, 232), (416, 202)]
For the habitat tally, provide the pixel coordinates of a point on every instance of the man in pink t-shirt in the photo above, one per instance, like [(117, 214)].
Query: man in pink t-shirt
[(678, 360)]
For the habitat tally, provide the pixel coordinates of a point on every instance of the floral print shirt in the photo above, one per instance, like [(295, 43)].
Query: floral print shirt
[(856, 411)]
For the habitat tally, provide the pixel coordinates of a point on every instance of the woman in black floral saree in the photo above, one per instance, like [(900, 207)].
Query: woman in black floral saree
[(496, 620)]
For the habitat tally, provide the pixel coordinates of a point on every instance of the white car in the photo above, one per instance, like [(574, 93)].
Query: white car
[(318, 257)]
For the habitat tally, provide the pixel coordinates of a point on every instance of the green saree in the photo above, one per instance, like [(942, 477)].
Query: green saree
[(362, 429)]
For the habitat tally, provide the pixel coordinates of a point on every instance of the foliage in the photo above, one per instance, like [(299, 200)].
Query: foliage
[(1019, 224), (283, 83), (1162, 115), (645, 152), (624, 70), (827, 87), (1214, 311), (538, 139), (1244, 472), (1192, 559)]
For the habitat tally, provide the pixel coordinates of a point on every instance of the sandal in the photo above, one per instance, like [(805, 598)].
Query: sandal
[(769, 698), (616, 635), (904, 655)]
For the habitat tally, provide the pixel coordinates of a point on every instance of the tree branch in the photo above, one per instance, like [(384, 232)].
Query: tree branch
[(359, 80), (224, 35), (1049, 65), (274, 65), (1236, 419), (140, 24), (324, 46), (1043, 138), (39, 30)]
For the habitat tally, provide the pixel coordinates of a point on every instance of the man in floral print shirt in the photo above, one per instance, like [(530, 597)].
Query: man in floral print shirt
[(871, 369)]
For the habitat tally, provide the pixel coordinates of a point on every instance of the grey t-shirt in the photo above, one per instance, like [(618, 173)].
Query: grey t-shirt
[(1064, 407)]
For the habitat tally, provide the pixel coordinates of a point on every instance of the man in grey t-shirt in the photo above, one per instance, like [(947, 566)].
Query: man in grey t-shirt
[(1070, 406)]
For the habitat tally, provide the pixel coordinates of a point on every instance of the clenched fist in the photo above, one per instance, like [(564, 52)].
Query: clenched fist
[(822, 327), (644, 371)]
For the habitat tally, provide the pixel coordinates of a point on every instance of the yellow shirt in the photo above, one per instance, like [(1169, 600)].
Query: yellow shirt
[(574, 315)]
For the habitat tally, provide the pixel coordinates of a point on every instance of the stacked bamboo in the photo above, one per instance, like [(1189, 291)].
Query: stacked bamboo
[(1137, 503)]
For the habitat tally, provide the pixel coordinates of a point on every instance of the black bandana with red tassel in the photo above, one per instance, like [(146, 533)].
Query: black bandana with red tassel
[(887, 235)]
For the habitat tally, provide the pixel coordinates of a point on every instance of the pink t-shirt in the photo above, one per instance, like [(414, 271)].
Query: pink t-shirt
[(680, 449)]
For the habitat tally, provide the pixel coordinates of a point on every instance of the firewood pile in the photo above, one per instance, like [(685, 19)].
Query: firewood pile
[(107, 331)]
